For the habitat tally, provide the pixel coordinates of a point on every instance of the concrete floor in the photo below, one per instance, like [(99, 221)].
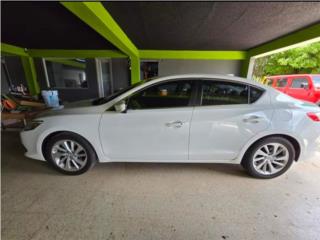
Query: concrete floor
[(155, 201)]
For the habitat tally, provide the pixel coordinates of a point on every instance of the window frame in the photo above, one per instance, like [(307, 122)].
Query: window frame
[(58, 87), (200, 91), (192, 101)]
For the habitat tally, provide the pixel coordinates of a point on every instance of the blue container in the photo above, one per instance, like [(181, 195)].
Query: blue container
[(51, 98)]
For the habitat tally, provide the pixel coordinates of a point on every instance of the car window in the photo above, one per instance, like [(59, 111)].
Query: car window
[(316, 80), (282, 82), (164, 95), (255, 94), (103, 100), (223, 93), (300, 83)]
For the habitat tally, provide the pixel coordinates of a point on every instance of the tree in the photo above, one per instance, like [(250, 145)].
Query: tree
[(298, 60)]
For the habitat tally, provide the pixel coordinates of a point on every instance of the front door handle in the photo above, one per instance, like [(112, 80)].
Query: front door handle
[(252, 119), (175, 124)]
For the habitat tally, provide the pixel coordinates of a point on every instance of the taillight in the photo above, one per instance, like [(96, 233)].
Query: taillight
[(314, 116)]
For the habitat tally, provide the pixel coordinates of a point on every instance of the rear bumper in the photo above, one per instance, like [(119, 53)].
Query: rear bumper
[(310, 141), (311, 151)]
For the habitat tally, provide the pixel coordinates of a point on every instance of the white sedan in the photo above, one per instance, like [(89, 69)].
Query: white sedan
[(185, 118)]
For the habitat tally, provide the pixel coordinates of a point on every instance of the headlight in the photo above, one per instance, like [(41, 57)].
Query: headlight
[(32, 125)]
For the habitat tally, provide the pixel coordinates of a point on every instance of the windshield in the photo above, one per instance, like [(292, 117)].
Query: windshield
[(103, 100)]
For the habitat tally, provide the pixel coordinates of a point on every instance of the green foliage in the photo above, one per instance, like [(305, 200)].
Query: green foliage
[(298, 60)]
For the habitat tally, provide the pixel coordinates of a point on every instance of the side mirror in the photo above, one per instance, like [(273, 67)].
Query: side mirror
[(121, 107)]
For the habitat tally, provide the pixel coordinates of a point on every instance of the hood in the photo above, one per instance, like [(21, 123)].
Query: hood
[(76, 108), (77, 104)]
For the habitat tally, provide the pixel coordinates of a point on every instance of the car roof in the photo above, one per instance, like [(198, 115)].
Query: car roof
[(293, 75), (205, 76)]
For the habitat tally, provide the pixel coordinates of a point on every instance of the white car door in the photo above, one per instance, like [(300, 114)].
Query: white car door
[(226, 119), (154, 127)]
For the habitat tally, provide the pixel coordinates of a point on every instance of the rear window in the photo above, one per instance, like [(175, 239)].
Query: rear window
[(282, 82)]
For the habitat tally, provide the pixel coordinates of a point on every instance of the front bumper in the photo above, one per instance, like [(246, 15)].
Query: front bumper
[(29, 141)]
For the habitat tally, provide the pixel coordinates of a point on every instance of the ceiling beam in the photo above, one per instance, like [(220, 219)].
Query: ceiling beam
[(192, 55), (285, 41), (60, 53), (97, 17), (8, 49), (302, 35)]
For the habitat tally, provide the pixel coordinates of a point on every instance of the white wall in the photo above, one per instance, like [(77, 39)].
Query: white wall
[(170, 67)]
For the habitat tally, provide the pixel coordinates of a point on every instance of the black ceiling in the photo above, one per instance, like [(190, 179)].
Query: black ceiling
[(158, 25), (46, 25), (210, 25)]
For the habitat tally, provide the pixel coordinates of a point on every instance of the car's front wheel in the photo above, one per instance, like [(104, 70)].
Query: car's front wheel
[(69, 153), (269, 157)]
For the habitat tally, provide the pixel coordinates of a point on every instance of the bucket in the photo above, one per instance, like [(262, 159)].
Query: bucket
[(50, 98)]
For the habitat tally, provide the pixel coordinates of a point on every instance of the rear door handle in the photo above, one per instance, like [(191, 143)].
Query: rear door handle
[(252, 119), (175, 124)]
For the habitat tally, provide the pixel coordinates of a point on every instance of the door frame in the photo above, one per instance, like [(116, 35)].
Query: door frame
[(99, 62)]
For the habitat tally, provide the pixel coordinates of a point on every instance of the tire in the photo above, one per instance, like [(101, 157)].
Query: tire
[(258, 163), (69, 153)]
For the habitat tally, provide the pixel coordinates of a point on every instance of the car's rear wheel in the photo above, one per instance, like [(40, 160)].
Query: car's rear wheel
[(69, 153), (269, 157)]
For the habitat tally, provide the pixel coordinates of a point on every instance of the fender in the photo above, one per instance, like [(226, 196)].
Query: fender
[(266, 134), (46, 133)]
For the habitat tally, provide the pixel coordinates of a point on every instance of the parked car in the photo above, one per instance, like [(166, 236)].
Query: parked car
[(301, 86), (186, 119)]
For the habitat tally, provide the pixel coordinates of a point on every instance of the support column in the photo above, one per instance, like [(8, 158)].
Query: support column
[(245, 66), (31, 75), (135, 69)]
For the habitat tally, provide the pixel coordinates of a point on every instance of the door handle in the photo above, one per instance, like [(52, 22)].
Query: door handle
[(175, 124), (252, 119)]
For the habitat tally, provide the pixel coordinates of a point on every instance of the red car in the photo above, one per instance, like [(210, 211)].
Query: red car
[(301, 86)]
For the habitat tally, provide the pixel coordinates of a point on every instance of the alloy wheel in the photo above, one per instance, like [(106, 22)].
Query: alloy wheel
[(270, 158), (69, 155)]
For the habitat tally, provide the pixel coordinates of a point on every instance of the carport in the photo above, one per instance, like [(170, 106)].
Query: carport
[(226, 34), (151, 201)]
